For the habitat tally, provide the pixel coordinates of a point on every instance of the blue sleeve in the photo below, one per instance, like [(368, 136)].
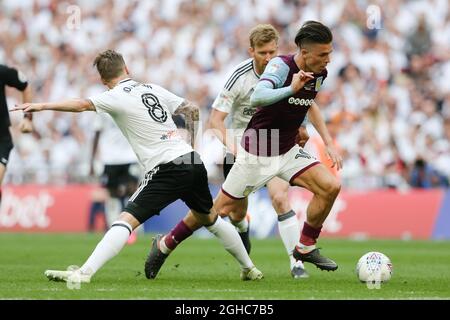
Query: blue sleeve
[(269, 88)]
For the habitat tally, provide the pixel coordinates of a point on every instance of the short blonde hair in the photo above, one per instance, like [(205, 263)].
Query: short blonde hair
[(109, 64), (263, 34)]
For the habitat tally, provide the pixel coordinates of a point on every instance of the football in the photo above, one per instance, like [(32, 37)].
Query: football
[(374, 267)]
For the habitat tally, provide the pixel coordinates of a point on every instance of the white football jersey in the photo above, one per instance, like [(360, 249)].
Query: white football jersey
[(113, 148), (234, 98), (143, 114)]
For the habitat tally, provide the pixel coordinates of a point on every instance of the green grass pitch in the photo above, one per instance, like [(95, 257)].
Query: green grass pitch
[(201, 269)]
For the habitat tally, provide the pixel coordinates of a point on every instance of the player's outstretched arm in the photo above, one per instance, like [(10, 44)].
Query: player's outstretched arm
[(72, 105), (269, 90), (191, 114), (316, 118)]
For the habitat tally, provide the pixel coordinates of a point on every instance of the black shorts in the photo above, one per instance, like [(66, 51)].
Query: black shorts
[(117, 175), (183, 178), (228, 162), (6, 145)]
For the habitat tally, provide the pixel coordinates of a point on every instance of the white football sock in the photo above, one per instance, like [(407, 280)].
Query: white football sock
[(231, 241), (163, 247), (111, 244), (242, 225), (289, 229), (304, 248)]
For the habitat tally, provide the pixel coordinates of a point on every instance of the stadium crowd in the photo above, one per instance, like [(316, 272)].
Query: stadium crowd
[(386, 98)]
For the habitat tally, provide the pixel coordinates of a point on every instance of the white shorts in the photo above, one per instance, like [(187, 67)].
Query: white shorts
[(250, 172)]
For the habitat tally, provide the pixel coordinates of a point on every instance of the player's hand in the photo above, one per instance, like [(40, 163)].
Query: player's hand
[(26, 126), (335, 157), (299, 79), (29, 107), (302, 136)]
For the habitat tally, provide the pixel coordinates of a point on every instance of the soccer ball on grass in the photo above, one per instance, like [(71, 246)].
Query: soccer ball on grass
[(374, 267)]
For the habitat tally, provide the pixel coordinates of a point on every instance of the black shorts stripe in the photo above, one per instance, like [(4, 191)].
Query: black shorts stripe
[(237, 74), (148, 176)]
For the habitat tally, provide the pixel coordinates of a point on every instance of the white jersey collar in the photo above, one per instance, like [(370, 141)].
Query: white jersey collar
[(254, 71), (124, 80)]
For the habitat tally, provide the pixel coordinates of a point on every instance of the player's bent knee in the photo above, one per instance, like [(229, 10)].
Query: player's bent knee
[(238, 215), (223, 214), (332, 187), (225, 206), (206, 219), (327, 187), (130, 219)]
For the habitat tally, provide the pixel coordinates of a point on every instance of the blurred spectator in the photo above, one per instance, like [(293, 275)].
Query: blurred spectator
[(389, 71), (423, 175), (419, 42)]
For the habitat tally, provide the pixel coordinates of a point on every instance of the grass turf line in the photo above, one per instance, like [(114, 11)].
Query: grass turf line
[(202, 269)]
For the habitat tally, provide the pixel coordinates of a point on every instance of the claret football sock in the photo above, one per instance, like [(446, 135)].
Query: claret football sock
[(163, 247), (174, 237), (308, 238)]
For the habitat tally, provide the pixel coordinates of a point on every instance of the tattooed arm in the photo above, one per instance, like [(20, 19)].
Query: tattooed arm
[(191, 114)]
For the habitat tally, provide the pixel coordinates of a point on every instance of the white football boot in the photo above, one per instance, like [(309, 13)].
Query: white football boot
[(74, 276), (251, 274)]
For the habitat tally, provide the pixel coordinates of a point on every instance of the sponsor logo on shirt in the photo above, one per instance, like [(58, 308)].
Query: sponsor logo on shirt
[(248, 111), (169, 135), (300, 102)]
